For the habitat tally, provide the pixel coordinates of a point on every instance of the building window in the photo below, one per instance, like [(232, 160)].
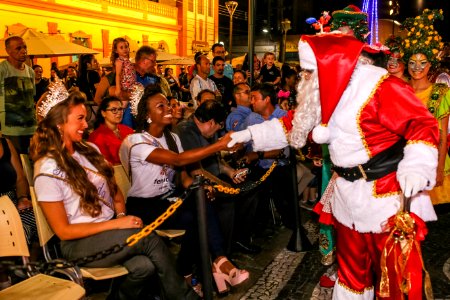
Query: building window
[(210, 8), (200, 28), (191, 5), (201, 7)]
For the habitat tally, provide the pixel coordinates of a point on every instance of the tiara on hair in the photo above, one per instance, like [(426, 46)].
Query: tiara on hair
[(57, 92), (137, 91)]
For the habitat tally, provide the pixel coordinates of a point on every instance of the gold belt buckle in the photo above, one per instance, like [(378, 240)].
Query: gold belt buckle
[(361, 169)]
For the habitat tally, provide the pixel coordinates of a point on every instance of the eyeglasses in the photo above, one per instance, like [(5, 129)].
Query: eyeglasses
[(221, 124), (115, 110)]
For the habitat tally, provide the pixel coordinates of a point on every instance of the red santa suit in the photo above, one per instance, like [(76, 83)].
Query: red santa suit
[(364, 112)]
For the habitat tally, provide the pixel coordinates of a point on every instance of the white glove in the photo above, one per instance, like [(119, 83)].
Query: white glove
[(411, 184), (242, 136)]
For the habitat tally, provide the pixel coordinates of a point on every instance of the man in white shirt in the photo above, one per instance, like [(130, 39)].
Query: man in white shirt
[(201, 81)]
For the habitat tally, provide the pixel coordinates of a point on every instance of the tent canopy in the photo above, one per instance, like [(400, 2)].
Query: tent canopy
[(42, 45)]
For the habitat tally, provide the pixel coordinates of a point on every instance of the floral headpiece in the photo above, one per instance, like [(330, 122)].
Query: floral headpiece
[(137, 91), (354, 18), (422, 37), (394, 43), (57, 92)]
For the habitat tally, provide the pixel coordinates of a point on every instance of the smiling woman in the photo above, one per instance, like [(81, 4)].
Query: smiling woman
[(153, 158), (421, 51), (109, 133), (76, 189)]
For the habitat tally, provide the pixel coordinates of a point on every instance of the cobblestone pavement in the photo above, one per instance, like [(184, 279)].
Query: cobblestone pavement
[(296, 275), (279, 274)]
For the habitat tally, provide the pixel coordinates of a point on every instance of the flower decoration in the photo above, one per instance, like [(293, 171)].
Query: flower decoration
[(394, 43), (422, 36)]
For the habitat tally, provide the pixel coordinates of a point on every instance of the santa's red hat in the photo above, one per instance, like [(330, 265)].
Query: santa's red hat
[(334, 57)]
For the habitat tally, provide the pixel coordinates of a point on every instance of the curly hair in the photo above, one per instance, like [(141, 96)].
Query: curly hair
[(142, 116), (47, 142), (308, 112)]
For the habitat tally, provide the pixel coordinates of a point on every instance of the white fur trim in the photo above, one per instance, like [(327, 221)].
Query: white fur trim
[(268, 135), (341, 293), (321, 134), (421, 159), (347, 148), (306, 55), (355, 206)]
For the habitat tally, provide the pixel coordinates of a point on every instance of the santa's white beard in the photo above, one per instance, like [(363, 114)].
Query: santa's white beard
[(308, 112)]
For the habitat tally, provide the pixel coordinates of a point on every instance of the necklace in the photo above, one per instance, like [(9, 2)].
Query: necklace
[(117, 133)]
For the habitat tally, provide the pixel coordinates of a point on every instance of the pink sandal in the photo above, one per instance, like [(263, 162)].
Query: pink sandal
[(233, 278)]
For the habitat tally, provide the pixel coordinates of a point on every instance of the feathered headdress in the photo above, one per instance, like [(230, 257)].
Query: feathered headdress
[(56, 93), (422, 37)]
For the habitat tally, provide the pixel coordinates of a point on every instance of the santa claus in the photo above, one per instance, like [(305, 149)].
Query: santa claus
[(383, 144)]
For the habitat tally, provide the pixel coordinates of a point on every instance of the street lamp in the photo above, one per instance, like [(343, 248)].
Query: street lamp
[(394, 9), (285, 25), (231, 7)]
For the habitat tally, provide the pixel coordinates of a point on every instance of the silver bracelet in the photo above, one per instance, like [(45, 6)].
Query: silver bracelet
[(122, 214)]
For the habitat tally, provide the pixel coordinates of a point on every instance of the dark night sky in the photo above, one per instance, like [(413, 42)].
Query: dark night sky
[(298, 10)]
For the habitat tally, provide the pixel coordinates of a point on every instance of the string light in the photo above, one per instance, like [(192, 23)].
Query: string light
[(371, 8)]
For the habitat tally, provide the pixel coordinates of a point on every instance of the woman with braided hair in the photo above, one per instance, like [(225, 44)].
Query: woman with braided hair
[(76, 189), (153, 157)]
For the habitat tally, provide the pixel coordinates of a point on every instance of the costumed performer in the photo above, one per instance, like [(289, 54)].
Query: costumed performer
[(421, 50), (382, 142), (395, 64), (353, 22)]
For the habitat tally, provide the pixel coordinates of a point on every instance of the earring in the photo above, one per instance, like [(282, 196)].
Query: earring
[(61, 133), (149, 120)]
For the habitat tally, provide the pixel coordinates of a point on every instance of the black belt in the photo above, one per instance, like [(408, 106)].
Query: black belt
[(377, 167)]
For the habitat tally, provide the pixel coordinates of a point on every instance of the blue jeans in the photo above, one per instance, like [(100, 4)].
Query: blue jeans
[(141, 261)]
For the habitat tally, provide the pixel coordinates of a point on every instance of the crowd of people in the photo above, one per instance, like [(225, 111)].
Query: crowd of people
[(165, 130)]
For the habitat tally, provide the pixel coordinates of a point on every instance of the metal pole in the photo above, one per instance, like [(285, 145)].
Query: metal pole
[(231, 39), (285, 25), (231, 7), (205, 261), (251, 32), (299, 241)]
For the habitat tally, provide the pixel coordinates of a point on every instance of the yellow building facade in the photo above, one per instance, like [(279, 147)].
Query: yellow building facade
[(179, 27)]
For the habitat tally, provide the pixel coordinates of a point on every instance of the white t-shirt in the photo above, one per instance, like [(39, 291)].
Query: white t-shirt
[(199, 84), (148, 179), (52, 188)]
